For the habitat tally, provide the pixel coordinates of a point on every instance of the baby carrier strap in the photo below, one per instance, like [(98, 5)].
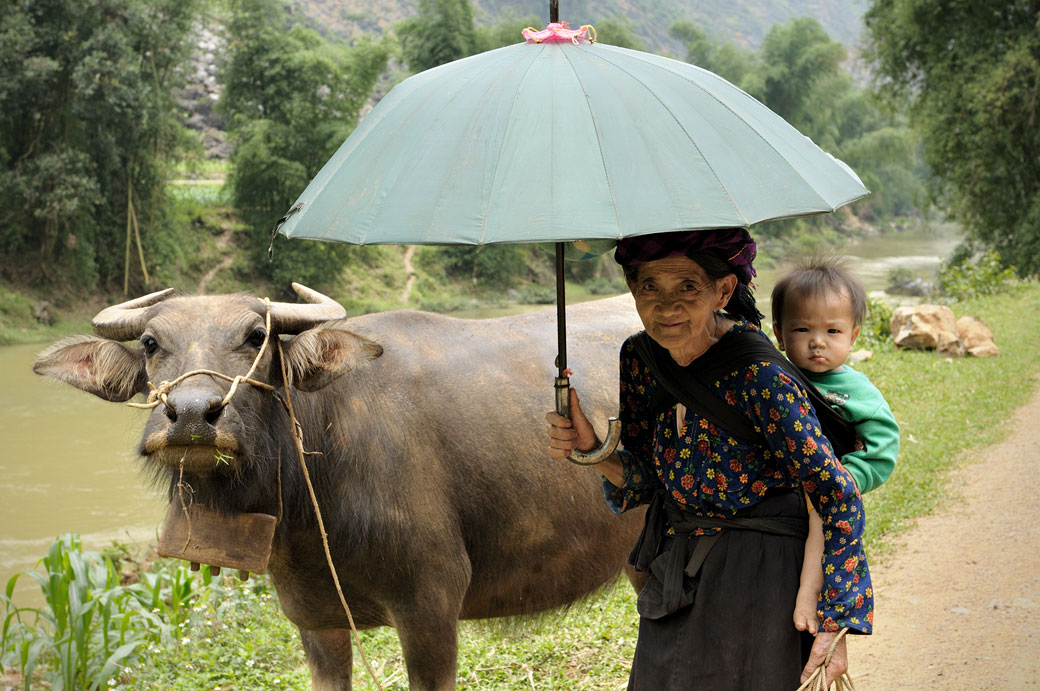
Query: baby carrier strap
[(736, 350)]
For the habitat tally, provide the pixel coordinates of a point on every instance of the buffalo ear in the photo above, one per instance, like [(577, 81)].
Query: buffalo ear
[(317, 357), (107, 369)]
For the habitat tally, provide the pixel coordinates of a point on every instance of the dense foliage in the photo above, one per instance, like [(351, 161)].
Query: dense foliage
[(441, 31), (291, 98), (103, 615), (800, 73), (965, 278), (86, 122), (970, 74)]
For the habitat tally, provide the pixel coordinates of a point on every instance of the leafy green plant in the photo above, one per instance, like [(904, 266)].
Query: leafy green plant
[(877, 325), (537, 295), (962, 278), (87, 627), (91, 628), (236, 638), (168, 593)]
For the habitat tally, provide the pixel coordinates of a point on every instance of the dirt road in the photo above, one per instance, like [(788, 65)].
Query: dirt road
[(958, 603)]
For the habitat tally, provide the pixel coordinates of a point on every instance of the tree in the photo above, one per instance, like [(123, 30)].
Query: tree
[(506, 31), (797, 60), (86, 120), (724, 59), (618, 31), (441, 32), (798, 72), (968, 74), (291, 97)]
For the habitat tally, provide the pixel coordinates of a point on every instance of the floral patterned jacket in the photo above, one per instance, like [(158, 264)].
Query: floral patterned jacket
[(709, 472)]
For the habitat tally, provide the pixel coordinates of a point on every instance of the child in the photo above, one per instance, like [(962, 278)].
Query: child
[(817, 312)]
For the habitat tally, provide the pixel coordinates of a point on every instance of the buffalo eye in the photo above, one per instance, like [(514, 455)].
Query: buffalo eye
[(257, 337), (150, 344)]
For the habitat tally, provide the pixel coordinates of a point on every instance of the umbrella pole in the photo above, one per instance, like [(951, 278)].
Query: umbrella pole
[(563, 383), (563, 380)]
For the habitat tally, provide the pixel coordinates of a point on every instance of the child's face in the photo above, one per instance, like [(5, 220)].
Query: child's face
[(817, 332)]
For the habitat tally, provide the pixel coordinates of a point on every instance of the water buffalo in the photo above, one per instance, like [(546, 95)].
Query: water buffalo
[(438, 497)]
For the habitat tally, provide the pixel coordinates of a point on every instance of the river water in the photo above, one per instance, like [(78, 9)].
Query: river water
[(68, 465)]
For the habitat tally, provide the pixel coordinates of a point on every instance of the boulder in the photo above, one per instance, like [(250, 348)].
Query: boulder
[(924, 327), (977, 337), (860, 355), (913, 286), (985, 350), (950, 345), (973, 332), (41, 312)]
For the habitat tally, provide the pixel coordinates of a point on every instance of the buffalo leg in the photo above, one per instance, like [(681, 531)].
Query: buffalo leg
[(329, 657), (430, 647)]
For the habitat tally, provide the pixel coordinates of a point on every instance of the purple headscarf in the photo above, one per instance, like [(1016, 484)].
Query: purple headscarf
[(734, 245)]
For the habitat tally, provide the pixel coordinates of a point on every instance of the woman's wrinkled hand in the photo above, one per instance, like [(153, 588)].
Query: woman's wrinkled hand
[(566, 435), (839, 663)]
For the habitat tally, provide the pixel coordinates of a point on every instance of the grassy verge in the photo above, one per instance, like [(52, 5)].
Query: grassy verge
[(19, 324), (946, 408), (236, 638)]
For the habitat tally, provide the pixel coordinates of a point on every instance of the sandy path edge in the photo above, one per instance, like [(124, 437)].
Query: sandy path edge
[(957, 602)]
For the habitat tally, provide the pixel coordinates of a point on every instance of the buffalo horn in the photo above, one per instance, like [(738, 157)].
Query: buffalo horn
[(288, 317), (125, 321)]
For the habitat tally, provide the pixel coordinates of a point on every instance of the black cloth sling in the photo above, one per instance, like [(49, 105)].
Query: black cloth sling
[(689, 385)]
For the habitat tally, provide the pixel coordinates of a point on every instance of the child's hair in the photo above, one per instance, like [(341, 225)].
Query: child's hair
[(815, 277)]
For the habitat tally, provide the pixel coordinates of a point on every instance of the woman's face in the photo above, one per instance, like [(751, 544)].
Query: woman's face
[(676, 302)]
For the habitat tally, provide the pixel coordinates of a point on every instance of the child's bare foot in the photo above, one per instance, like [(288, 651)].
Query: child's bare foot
[(805, 611)]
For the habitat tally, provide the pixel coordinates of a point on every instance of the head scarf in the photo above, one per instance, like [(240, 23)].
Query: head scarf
[(733, 245)]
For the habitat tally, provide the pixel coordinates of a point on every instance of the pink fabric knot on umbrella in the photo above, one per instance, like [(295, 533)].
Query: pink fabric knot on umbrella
[(559, 32)]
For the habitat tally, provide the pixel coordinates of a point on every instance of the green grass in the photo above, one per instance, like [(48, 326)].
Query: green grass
[(236, 638), (946, 407), (242, 641), (18, 323)]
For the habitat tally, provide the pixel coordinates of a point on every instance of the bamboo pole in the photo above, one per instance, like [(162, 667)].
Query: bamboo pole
[(126, 259), (140, 250)]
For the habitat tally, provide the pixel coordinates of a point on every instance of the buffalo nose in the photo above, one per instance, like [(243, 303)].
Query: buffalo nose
[(193, 414)]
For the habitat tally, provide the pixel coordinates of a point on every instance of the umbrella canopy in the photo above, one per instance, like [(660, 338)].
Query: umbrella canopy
[(563, 141), (549, 142)]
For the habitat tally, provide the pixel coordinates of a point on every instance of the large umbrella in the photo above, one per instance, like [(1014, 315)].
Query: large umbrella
[(559, 141)]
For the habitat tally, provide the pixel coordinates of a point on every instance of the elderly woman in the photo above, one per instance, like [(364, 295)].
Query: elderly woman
[(727, 519)]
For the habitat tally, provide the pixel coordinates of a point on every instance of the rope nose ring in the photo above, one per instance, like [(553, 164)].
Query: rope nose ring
[(159, 394)]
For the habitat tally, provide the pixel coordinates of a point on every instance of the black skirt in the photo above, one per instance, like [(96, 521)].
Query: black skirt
[(737, 632)]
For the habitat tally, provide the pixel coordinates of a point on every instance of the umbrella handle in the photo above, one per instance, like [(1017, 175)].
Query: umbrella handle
[(563, 387)]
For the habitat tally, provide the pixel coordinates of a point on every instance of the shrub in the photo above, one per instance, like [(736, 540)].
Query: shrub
[(90, 627), (877, 324), (87, 627), (605, 286), (962, 278)]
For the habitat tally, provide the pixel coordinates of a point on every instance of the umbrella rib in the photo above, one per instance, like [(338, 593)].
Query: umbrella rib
[(603, 162), (679, 123), (498, 158), (737, 115)]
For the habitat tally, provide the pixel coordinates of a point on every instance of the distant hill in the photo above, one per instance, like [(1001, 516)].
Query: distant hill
[(744, 22)]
